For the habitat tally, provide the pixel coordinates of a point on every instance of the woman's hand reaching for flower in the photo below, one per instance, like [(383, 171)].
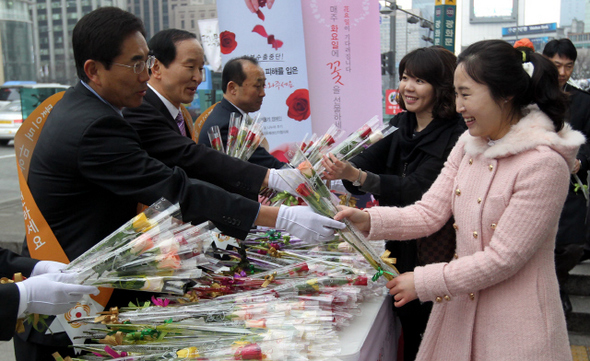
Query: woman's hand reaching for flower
[(359, 218), (337, 169), (403, 289)]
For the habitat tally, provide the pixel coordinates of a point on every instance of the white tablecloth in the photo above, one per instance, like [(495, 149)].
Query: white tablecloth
[(373, 335)]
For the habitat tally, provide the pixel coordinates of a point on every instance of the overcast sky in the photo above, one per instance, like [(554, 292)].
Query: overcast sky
[(535, 11)]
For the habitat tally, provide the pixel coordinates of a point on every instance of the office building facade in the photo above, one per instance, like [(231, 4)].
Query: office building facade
[(53, 26), (16, 38)]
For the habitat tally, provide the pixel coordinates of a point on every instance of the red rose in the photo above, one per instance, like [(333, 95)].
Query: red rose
[(228, 42), (360, 281), (303, 268), (216, 143), (303, 190), (249, 352), (233, 131), (365, 131), (298, 103), (330, 140), (250, 137)]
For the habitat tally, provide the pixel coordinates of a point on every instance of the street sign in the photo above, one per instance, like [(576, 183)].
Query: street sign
[(391, 105), (444, 23)]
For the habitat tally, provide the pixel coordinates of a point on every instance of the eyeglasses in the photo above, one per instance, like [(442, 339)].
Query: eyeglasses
[(139, 66)]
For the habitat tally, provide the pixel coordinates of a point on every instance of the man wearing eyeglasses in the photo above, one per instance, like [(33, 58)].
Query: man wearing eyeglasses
[(89, 170)]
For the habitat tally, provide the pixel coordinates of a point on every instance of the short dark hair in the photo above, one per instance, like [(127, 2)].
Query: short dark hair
[(100, 34), (497, 65), (234, 71), (561, 47), (163, 44), (436, 65)]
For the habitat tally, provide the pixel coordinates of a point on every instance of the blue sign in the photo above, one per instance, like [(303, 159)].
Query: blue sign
[(529, 29)]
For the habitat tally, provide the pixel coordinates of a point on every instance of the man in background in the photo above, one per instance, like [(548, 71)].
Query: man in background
[(242, 82), (572, 232)]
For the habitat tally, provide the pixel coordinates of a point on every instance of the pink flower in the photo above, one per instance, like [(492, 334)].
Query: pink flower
[(141, 244), (160, 302), (168, 261)]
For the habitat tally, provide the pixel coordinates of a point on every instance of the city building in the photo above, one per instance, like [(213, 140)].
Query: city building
[(164, 14), (426, 8), (572, 9), (408, 35), (52, 35), (16, 39)]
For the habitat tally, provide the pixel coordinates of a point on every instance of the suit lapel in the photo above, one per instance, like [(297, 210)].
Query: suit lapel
[(153, 98)]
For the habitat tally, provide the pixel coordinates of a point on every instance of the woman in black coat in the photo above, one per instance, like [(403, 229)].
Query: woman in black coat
[(400, 168)]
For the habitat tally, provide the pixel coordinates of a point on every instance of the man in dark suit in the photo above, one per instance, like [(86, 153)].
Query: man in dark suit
[(175, 76), (242, 82), (42, 293), (571, 234), (89, 171)]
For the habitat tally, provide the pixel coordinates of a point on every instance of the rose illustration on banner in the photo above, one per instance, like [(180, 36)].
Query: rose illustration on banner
[(255, 5), (298, 103), (275, 43), (228, 42)]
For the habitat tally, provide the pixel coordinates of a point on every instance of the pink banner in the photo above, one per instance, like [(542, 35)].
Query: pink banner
[(342, 43)]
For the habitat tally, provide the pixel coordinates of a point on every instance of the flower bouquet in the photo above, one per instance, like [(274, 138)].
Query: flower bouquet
[(314, 149), (160, 256), (370, 133), (321, 204), (244, 136)]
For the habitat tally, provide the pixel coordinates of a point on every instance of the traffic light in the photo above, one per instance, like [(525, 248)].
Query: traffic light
[(387, 63)]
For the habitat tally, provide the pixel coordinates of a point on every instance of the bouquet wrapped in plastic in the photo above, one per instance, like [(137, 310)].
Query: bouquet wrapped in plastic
[(244, 136), (314, 193), (315, 148), (154, 251)]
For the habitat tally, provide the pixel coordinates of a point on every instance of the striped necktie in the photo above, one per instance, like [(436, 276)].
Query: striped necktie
[(180, 123)]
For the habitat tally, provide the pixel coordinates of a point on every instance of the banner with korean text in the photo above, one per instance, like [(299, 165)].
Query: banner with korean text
[(342, 42), (272, 32), (209, 29)]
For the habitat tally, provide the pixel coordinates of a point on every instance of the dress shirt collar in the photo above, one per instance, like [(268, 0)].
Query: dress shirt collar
[(240, 110), (171, 108), (101, 99)]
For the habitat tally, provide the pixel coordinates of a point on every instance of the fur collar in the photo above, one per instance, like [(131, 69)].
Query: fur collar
[(532, 131)]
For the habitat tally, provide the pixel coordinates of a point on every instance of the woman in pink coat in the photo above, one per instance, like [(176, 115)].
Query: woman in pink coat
[(505, 182)]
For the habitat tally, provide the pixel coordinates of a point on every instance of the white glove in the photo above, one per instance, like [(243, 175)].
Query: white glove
[(43, 267), (276, 182), (303, 222), (49, 295)]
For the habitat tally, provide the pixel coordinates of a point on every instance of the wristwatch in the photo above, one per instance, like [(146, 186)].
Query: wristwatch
[(357, 182)]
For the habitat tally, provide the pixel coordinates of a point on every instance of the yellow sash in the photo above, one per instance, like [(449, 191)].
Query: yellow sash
[(41, 241), (188, 120), (201, 120)]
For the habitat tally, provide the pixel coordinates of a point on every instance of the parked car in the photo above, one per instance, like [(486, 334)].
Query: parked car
[(21, 100), (10, 90), (11, 118)]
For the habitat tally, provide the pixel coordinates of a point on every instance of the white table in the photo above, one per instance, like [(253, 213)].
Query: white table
[(373, 335)]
